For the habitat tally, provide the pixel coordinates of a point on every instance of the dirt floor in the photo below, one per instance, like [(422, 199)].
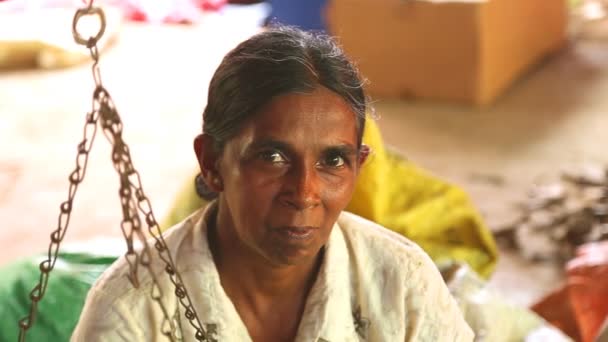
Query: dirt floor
[(552, 119)]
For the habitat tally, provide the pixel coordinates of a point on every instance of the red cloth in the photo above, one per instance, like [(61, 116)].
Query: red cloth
[(168, 11), (588, 288), (555, 308), (580, 307)]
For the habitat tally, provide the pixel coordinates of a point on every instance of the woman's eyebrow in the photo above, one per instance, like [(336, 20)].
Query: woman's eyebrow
[(269, 144), (343, 149)]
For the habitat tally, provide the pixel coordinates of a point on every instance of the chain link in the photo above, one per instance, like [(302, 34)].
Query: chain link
[(75, 178), (133, 203)]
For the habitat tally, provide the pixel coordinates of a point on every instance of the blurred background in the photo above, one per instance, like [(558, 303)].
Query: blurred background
[(506, 99)]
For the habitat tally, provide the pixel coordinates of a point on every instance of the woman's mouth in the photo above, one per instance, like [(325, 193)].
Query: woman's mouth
[(296, 233)]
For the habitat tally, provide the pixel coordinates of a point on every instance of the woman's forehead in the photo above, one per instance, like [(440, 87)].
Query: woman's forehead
[(314, 114), (302, 121)]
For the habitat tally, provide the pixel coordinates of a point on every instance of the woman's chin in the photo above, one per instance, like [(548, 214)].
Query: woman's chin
[(293, 256)]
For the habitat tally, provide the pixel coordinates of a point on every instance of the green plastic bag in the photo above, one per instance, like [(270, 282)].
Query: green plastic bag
[(60, 308)]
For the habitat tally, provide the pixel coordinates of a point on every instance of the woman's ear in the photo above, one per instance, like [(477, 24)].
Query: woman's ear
[(364, 152), (208, 161)]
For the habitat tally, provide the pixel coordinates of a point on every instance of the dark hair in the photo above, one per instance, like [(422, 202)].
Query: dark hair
[(278, 61)]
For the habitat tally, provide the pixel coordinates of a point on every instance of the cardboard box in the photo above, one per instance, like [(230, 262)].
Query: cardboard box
[(463, 51)]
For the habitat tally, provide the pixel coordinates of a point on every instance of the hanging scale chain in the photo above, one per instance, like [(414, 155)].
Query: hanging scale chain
[(132, 199)]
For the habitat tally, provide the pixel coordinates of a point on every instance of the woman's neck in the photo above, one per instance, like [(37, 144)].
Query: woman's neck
[(251, 277), (263, 294)]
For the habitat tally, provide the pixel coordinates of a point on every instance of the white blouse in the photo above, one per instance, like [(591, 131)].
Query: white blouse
[(373, 285)]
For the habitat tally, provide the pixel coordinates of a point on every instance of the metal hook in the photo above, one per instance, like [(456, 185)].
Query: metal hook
[(91, 41)]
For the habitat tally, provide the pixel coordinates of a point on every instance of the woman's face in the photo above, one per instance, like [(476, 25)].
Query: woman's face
[(288, 174)]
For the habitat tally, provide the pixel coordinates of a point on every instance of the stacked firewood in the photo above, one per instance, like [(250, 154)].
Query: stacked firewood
[(559, 216)]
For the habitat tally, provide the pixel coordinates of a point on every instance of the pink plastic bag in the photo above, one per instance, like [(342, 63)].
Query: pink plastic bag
[(156, 11)]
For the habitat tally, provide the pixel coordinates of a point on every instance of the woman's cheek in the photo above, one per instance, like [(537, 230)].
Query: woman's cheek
[(338, 191), (260, 180)]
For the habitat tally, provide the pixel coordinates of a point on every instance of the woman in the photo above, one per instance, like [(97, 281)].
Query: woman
[(274, 257)]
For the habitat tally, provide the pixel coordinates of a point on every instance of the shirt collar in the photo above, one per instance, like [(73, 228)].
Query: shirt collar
[(328, 313)]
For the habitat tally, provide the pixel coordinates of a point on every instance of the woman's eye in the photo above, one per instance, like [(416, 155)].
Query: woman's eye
[(334, 160), (274, 157)]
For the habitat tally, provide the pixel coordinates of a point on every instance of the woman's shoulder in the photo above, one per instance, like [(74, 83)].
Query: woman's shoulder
[(124, 292), (128, 274), (400, 281), (379, 242), (377, 252)]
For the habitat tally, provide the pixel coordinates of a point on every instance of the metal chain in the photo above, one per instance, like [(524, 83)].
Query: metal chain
[(132, 197), (131, 224), (75, 178), (131, 190)]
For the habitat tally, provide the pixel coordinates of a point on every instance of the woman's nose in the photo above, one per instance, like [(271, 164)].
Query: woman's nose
[(303, 188)]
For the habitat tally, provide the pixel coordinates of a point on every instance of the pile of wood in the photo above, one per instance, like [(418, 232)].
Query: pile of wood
[(559, 216)]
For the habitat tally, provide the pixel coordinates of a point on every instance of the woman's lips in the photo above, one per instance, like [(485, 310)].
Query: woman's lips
[(296, 233)]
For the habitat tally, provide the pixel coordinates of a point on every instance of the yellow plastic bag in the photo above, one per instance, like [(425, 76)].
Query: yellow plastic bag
[(436, 215), (398, 195)]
